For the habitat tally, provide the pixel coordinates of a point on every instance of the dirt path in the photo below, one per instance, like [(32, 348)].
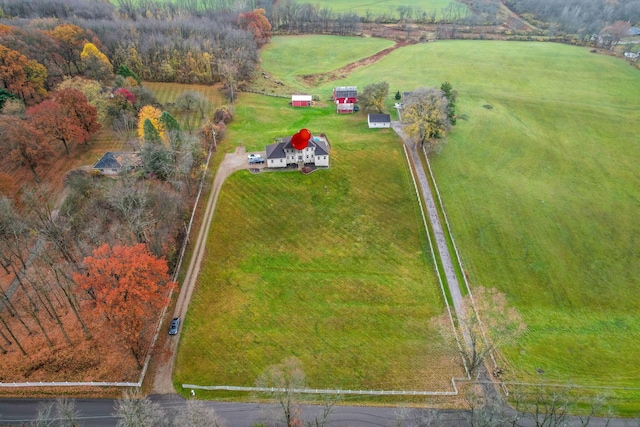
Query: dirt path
[(342, 72), (163, 383)]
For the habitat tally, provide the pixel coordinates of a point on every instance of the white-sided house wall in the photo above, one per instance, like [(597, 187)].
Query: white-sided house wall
[(379, 120), (281, 154), (276, 163), (322, 160)]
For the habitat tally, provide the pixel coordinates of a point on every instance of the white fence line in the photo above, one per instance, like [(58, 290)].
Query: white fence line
[(71, 384), (458, 258), (324, 391), (435, 263)]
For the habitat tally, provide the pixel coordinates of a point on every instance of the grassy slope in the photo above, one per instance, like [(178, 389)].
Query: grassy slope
[(379, 7), (288, 57), (543, 193), (330, 267)]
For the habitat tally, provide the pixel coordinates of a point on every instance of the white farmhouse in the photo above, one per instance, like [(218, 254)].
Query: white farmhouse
[(282, 153)]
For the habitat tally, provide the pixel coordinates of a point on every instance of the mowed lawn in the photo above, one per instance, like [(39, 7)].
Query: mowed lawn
[(333, 267), (389, 7), (542, 188)]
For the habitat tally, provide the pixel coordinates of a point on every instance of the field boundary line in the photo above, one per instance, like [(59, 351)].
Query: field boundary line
[(325, 391), (458, 260), (435, 263), (71, 384)]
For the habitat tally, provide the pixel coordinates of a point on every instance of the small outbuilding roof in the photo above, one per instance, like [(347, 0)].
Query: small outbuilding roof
[(345, 91), (379, 118), (119, 159), (301, 97), (634, 31)]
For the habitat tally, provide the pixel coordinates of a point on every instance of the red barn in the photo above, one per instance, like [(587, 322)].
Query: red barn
[(301, 100), (345, 94)]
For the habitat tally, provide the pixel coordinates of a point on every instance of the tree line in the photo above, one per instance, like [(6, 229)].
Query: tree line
[(582, 17), (158, 41)]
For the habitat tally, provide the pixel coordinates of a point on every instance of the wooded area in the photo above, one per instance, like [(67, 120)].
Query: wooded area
[(60, 83)]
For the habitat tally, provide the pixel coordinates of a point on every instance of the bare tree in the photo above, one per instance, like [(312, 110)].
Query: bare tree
[(284, 381), (136, 410), (193, 100), (197, 414), (490, 326)]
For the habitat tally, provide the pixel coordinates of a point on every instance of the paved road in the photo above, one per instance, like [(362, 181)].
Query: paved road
[(99, 413)]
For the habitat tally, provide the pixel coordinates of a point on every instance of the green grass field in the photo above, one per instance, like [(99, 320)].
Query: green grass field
[(332, 267), (388, 7), (291, 57), (539, 181), (542, 188)]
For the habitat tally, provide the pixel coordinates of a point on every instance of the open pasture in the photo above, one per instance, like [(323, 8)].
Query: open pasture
[(288, 58), (332, 267), (540, 182), (386, 7)]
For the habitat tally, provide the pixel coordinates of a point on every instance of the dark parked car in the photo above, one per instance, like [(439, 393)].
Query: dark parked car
[(356, 108), (175, 323)]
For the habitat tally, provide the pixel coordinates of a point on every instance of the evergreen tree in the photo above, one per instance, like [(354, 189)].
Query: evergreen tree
[(125, 71), (451, 96), (150, 132)]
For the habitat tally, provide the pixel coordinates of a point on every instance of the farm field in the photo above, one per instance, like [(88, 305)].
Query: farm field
[(540, 184), (389, 7), (292, 57), (333, 267)]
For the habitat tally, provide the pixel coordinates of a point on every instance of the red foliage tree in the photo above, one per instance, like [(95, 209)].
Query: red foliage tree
[(129, 286), (24, 144), (128, 96), (50, 118), (77, 107), (258, 24)]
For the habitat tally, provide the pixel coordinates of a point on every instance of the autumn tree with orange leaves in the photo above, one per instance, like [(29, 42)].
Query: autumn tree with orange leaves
[(22, 77), (128, 286), (77, 107), (257, 23), (71, 40), (24, 144), (50, 118)]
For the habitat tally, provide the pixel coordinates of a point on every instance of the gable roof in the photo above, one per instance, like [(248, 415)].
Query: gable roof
[(301, 98), (379, 118), (276, 151), (345, 92), (321, 147), (119, 159)]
